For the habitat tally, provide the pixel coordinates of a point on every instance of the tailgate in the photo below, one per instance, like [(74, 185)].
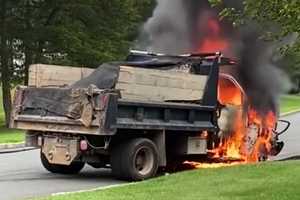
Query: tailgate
[(79, 111)]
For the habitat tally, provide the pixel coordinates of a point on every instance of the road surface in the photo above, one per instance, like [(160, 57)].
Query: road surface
[(22, 176), (291, 138)]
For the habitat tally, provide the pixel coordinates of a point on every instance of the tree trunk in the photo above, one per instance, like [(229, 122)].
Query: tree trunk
[(28, 52), (298, 85), (5, 74), (28, 61)]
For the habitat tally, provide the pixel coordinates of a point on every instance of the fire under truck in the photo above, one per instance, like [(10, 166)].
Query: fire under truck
[(136, 116)]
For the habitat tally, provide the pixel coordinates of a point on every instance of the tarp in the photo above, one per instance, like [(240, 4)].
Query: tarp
[(69, 101), (104, 77), (53, 102)]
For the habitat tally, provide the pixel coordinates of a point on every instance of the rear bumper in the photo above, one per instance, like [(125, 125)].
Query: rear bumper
[(53, 124)]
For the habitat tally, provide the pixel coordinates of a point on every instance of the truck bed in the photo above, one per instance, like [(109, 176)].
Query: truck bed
[(110, 113)]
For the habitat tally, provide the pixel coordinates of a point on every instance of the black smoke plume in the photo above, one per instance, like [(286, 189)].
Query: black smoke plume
[(180, 26)]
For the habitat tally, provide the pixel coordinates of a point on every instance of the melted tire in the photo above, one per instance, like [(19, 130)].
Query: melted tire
[(135, 160), (74, 168)]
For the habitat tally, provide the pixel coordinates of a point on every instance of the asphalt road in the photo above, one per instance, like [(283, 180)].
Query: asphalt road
[(22, 176), (291, 139)]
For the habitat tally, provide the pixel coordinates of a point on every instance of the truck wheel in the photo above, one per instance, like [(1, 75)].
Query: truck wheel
[(74, 168), (135, 160)]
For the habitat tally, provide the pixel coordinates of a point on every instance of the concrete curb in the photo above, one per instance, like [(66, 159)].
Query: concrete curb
[(95, 189), (16, 150), (12, 146), (290, 113)]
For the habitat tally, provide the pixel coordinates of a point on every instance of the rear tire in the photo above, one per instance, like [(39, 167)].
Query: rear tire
[(135, 160), (73, 168)]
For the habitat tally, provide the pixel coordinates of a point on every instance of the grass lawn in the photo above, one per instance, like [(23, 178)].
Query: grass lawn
[(290, 103), (11, 135), (8, 135), (276, 181)]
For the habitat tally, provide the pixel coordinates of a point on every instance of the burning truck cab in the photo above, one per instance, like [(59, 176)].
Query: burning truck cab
[(151, 111), (244, 134)]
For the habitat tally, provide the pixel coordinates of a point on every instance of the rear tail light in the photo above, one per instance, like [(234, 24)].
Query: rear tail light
[(83, 145)]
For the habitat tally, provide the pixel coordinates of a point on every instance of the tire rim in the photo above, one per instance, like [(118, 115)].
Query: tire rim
[(144, 161)]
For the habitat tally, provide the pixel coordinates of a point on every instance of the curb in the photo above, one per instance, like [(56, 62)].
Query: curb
[(12, 146), (290, 113), (16, 150), (94, 189)]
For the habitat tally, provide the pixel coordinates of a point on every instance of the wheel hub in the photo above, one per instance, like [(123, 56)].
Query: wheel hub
[(144, 160)]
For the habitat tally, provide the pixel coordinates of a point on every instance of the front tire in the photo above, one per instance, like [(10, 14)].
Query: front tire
[(135, 160), (73, 168)]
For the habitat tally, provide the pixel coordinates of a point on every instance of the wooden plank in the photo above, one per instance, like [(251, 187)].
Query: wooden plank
[(134, 83), (159, 85), (52, 75), (155, 93), (161, 78)]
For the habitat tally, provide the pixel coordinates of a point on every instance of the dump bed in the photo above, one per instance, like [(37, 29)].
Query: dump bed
[(165, 96), (116, 96), (99, 112)]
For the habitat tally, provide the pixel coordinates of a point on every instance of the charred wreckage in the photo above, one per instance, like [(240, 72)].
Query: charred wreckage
[(151, 111)]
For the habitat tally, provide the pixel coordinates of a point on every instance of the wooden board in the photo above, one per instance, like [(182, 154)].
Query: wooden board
[(160, 85), (134, 83), (53, 75)]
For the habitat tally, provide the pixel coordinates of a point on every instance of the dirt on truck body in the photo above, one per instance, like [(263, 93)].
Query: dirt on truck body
[(137, 116)]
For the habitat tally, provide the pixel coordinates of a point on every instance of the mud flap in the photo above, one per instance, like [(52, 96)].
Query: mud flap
[(60, 150)]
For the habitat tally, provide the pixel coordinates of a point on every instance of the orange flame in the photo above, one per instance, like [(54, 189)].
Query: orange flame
[(213, 42), (251, 138), (252, 133)]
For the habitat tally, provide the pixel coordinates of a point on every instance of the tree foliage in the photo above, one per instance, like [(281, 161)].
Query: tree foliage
[(278, 20), (73, 32)]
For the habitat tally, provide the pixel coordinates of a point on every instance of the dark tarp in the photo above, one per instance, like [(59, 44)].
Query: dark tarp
[(53, 102), (70, 101), (104, 77)]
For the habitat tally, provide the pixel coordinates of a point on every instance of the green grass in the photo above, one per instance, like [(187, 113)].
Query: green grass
[(8, 135), (11, 135), (290, 103), (276, 181)]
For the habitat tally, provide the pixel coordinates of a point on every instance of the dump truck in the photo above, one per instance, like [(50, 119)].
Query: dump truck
[(136, 116)]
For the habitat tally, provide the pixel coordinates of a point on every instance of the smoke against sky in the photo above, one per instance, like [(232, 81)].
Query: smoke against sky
[(192, 26), (167, 30)]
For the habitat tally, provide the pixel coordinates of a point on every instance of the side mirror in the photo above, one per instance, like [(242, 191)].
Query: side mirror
[(284, 126)]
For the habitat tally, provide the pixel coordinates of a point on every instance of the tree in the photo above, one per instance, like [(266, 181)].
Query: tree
[(277, 18), (291, 65), (5, 56), (74, 32)]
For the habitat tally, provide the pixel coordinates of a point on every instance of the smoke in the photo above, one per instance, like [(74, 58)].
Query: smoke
[(185, 26), (173, 26), (257, 73), (167, 30)]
